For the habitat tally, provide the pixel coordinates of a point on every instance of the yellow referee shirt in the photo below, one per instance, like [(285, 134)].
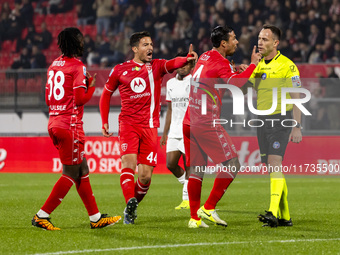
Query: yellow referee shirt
[(278, 73)]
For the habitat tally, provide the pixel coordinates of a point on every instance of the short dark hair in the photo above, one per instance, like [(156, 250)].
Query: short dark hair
[(275, 30), (135, 37), (70, 42), (220, 33)]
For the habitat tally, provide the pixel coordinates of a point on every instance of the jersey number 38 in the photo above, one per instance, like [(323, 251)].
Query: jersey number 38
[(56, 82)]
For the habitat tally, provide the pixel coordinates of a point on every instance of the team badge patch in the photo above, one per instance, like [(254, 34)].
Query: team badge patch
[(276, 145), (263, 76), (84, 70), (136, 68), (296, 81), (124, 146)]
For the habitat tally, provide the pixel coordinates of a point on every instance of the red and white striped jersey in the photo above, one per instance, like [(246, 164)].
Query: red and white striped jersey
[(140, 88)]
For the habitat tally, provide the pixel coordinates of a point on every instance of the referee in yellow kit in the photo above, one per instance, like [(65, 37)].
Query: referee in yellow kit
[(275, 71)]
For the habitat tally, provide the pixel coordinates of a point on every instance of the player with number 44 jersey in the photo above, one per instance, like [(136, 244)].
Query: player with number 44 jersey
[(139, 82)]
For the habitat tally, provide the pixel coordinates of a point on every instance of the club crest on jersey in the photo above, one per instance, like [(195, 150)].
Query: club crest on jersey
[(136, 68), (124, 146), (264, 76), (138, 85), (149, 68)]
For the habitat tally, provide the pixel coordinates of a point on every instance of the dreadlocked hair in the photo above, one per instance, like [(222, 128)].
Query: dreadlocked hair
[(69, 42)]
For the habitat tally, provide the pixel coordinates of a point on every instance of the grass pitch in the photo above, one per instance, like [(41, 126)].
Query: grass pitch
[(159, 229)]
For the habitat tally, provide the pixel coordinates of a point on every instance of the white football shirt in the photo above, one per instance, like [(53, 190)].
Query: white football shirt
[(177, 92)]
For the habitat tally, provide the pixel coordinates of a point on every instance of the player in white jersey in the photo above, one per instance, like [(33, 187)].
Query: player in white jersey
[(177, 96)]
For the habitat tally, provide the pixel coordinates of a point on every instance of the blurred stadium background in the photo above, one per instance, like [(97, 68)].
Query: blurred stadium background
[(28, 41)]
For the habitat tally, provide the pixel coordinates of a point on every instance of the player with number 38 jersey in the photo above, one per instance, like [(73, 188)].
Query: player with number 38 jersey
[(66, 94), (64, 76)]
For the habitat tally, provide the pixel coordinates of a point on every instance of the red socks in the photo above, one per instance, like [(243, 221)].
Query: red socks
[(58, 193), (221, 184), (141, 190), (194, 192), (85, 192), (127, 182)]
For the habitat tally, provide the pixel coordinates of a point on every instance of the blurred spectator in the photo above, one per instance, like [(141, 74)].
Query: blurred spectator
[(60, 6), (5, 24), (104, 13), (244, 40), (315, 55), (38, 60), (315, 36), (328, 51), (335, 8), (16, 23), (24, 60), (44, 38), (88, 47), (119, 46), (231, 4), (336, 57), (104, 62), (5, 8), (166, 19), (27, 12), (102, 49), (86, 14), (237, 24), (28, 41)]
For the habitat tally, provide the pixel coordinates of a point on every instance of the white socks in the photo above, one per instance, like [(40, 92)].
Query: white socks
[(181, 179), (185, 195), (42, 214), (95, 217)]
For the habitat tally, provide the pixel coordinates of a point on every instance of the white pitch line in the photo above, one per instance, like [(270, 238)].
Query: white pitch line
[(184, 245)]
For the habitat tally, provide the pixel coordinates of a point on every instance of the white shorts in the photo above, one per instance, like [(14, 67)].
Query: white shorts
[(175, 144)]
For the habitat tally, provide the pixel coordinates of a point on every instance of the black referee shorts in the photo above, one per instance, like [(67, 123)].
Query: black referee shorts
[(273, 136)]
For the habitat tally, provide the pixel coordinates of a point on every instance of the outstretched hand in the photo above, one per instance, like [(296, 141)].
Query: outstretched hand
[(193, 54)]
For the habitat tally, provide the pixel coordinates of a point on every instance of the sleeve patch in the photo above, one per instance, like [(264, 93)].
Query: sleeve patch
[(293, 68), (84, 70), (296, 81), (111, 72)]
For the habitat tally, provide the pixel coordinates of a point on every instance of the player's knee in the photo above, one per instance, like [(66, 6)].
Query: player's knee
[(145, 179), (171, 166)]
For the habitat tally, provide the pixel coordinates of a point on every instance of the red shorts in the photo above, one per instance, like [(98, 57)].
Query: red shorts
[(201, 142), (139, 140), (70, 144)]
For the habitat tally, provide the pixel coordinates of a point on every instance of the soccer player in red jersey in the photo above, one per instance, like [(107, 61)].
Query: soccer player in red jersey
[(202, 137), (69, 86), (139, 82)]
